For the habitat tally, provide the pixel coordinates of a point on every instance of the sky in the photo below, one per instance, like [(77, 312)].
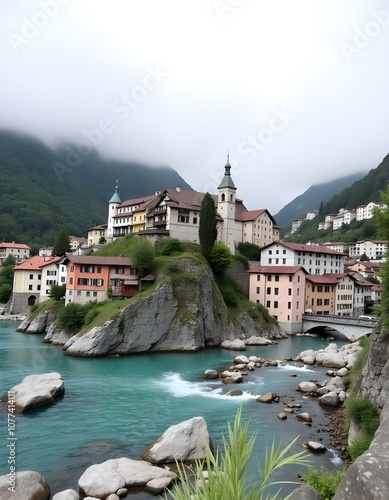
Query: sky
[(295, 91)]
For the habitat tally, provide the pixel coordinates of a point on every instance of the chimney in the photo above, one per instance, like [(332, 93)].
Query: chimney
[(178, 189)]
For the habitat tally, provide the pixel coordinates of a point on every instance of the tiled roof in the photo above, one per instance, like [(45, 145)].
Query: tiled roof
[(97, 260), (299, 247), (138, 201), (276, 269), (15, 245), (36, 263)]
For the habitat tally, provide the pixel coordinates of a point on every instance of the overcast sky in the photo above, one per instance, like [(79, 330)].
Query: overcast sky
[(296, 90)]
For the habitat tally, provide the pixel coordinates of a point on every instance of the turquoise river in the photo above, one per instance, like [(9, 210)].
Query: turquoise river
[(116, 407)]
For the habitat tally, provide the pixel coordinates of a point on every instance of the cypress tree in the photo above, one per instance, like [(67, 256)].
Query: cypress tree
[(207, 225), (62, 244)]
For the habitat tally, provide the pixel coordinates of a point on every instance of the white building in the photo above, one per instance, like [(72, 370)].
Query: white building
[(373, 249), (366, 211), (315, 259)]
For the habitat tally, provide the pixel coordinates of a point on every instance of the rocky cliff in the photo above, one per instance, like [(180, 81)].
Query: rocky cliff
[(368, 478), (185, 312)]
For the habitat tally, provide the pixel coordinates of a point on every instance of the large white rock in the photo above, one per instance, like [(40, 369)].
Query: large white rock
[(333, 360), (185, 441), (101, 480), (241, 360), (253, 340), (330, 399), (307, 387), (36, 390), (24, 485), (233, 345), (66, 495)]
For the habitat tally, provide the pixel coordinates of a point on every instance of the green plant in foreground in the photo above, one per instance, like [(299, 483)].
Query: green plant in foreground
[(324, 481), (225, 477), (366, 416)]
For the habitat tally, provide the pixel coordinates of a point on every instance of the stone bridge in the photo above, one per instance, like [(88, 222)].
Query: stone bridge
[(348, 326)]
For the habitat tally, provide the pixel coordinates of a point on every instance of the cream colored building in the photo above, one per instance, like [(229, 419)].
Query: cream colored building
[(33, 279), (18, 251)]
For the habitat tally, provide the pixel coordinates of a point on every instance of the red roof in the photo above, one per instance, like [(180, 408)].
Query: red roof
[(15, 245), (97, 260), (299, 247), (36, 263), (137, 201), (323, 279), (276, 269)]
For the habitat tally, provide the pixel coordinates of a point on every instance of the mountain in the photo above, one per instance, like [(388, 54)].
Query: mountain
[(312, 198), (359, 193), (42, 191)]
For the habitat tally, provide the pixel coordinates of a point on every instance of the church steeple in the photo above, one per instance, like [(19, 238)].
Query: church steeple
[(227, 181), (115, 197)]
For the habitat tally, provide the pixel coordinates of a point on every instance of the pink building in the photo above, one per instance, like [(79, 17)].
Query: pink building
[(281, 290)]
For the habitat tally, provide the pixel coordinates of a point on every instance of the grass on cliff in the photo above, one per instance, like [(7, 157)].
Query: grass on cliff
[(37, 309), (365, 415), (353, 379)]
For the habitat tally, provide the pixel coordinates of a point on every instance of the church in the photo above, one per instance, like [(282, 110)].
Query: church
[(174, 213)]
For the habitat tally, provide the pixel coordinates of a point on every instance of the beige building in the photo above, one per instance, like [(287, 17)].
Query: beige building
[(259, 227), (18, 251)]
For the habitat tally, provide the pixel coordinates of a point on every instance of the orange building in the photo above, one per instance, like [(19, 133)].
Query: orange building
[(92, 278)]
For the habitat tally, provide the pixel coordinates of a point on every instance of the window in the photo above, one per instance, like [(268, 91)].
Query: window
[(39, 287), (78, 292), (194, 220), (94, 294), (320, 288), (276, 304), (72, 269), (269, 278), (277, 278), (268, 290), (183, 215), (290, 279), (268, 304), (71, 281), (258, 289), (31, 276), (289, 291), (87, 269), (258, 277), (99, 269), (319, 302), (276, 290), (119, 270), (289, 305), (51, 273), (284, 261), (327, 289), (88, 293), (326, 302)]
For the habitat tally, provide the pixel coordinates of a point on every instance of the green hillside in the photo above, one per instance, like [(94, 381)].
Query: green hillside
[(361, 192), (35, 203)]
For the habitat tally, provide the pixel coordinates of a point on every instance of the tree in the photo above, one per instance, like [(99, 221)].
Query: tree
[(321, 210), (220, 258), (62, 244), (102, 240), (364, 258), (207, 225), (9, 261), (57, 292), (143, 255), (5, 292)]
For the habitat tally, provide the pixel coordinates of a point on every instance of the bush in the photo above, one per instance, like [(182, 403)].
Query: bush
[(90, 315), (5, 292), (220, 258), (227, 478), (324, 482), (172, 246), (265, 313), (143, 255), (172, 267), (250, 250), (71, 318)]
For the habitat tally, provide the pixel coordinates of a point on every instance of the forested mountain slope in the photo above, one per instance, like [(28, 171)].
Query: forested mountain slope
[(36, 201)]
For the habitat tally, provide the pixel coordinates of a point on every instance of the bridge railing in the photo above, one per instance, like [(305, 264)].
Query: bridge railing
[(340, 320)]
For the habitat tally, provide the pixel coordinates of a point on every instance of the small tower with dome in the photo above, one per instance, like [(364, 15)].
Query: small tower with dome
[(113, 204)]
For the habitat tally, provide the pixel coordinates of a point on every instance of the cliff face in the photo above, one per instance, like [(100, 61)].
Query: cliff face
[(375, 374), (367, 478), (184, 313)]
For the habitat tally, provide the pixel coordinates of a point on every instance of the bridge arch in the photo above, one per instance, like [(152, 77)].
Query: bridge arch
[(348, 327)]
